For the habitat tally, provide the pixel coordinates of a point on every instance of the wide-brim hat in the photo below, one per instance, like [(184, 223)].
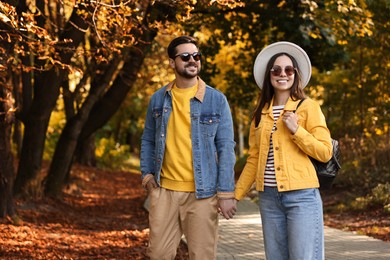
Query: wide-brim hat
[(304, 64)]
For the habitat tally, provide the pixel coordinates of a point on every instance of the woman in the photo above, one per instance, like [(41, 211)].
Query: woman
[(280, 144)]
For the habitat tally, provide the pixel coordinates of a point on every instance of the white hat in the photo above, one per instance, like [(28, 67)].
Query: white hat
[(304, 64)]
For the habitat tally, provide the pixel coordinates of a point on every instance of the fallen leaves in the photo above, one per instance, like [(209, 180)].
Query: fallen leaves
[(100, 216), (373, 222)]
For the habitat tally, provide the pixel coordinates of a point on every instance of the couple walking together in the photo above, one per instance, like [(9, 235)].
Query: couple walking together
[(187, 157)]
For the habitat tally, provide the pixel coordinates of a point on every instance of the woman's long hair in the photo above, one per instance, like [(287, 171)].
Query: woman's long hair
[(267, 92)]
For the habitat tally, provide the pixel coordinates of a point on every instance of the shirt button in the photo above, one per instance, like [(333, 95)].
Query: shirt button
[(210, 121), (278, 169), (165, 110), (276, 148), (281, 186), (162, 135)]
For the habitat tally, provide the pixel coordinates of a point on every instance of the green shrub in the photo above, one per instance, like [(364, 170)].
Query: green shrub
[(112, 155), (379, 197), (364, 163)]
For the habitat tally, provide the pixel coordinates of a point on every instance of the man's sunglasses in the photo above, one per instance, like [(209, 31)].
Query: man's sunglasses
[(187, 56), (277, 70)]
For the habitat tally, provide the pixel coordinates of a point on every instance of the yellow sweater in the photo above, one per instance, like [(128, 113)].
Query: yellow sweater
[(177, 169)]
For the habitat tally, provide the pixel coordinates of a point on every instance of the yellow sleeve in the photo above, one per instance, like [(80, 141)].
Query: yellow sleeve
[(248, 175)]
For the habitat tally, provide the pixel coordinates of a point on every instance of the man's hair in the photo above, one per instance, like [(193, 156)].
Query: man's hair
[(177, 41)]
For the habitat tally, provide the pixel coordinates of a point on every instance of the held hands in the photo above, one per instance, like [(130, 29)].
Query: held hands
[(227, 207), (290, 120)]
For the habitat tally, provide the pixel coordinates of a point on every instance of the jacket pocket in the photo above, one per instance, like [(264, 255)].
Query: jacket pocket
[(209, 124), (157, 112), (300, 170)]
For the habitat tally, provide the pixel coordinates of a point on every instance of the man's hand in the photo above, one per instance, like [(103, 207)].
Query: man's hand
[(227, 207), (151, 184)]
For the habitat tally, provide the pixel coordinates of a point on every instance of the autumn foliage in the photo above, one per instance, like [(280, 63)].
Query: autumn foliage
[(100, 216)]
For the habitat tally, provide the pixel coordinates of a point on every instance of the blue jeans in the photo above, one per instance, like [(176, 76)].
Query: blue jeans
[(292, 224)]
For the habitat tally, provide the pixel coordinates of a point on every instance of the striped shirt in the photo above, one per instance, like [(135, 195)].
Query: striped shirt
[(269, 174)]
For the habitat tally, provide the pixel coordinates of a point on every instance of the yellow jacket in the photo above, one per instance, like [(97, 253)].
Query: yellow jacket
[(293, 168)]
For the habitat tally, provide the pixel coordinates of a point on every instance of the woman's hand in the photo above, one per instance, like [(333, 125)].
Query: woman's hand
[(290, 120)]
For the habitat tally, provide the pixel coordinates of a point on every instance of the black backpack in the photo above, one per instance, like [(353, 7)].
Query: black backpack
[(327, 172)]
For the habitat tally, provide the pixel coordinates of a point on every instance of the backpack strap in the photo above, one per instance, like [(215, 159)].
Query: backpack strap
[(300, 102)]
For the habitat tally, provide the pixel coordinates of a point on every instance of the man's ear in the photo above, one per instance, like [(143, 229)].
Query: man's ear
[(172, 63)]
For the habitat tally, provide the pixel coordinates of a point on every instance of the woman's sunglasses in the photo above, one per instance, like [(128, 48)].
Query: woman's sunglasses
[(277, 70), (187, 56)]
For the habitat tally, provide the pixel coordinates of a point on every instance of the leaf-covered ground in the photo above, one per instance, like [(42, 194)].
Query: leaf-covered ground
[(373, 222), (101, 216)]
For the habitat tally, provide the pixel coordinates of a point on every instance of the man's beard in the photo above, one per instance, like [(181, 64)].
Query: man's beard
[(189, 75)]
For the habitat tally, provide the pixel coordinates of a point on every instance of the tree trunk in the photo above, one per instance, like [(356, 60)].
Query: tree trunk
[(7, 116), (110, 103), (7, 161), (85, 153), (85, 150), (66, 146), (47, 85), (17, 131), (94, 114)]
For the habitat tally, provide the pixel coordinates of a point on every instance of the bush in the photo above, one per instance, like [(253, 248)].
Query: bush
[(364, 163), (112, 155), (379, 197)]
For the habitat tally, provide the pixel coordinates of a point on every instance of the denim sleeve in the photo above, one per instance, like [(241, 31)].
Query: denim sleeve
[(148, 143), (225, 144)]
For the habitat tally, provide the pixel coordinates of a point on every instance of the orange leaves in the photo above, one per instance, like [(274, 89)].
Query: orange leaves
[(115, 25), (101, 218)]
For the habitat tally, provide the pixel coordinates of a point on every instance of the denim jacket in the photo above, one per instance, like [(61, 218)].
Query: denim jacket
[(212, 140)]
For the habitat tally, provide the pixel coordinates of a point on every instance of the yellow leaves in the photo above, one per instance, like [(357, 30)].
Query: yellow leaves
[(8, 14), (281, 4), (228, 3), (345, 80), (379, 131), (314, 35), (4, 18), (312, 4), (356, 163), (115, 24), (342, 42), (227, 60), (204, 34), (348, 7), (357, 21), (386, 128), (157, 25)]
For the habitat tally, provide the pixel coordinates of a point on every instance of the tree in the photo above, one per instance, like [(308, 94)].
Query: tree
[(46, 86), (102, 45), (101, 34), (7, 161)]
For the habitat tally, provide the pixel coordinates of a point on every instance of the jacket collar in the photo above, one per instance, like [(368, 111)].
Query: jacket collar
[(291, 105), (199, 93)]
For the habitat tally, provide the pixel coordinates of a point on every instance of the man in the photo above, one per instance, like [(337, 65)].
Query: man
[(187, 159)]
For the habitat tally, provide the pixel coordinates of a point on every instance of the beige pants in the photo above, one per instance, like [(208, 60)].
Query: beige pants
[(174, 213)]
